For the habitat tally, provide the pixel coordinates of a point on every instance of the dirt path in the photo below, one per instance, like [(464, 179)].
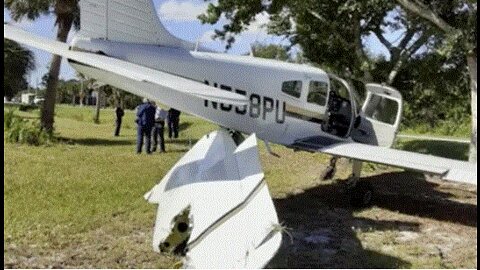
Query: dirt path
[(413, 224)]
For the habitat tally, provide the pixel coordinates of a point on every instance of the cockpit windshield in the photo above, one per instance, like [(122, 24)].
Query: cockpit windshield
[(342, 107), (341, 90)]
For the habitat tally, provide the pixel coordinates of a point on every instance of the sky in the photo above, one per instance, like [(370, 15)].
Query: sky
[(180, 19)]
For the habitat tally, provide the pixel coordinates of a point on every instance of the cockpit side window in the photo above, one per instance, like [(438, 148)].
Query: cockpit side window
[(340, 89), (382, 109), (292, 88), (317, 93)]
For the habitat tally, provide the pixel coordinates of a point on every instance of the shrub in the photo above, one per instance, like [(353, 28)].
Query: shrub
[(8, 119), (28, 107), (19, 130)]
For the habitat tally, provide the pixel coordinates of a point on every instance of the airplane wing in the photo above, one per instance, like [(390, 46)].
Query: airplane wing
[(124, 68), (447, 169)]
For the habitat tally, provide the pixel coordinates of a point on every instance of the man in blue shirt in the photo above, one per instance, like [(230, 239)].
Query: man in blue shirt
[(145, 122)]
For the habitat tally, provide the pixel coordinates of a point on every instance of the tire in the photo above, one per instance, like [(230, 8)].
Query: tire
[(361, 195)]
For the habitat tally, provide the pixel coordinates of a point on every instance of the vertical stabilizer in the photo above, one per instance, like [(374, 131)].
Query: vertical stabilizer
[(131, 21)]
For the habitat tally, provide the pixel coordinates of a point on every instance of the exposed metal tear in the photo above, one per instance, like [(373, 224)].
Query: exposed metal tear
[(176, 241), (276, 228)]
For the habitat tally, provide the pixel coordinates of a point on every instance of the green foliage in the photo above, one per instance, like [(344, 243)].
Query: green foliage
[(66, 90), (8, 119), (271, 51), (70, 92), (27, 107), (120, 97), (24, 131), (456, 21), (461, 129), (18, 62), (63, 9), (433, 102)]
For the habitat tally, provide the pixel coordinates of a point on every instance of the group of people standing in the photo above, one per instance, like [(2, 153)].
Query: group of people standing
[(151, 121)]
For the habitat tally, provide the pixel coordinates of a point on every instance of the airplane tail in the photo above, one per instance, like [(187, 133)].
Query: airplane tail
[(132, 21)]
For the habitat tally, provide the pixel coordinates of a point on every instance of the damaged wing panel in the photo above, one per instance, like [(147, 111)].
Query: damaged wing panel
[(214, 207)]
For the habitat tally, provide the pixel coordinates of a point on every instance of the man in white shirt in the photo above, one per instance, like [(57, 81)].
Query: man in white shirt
[(158, 129)]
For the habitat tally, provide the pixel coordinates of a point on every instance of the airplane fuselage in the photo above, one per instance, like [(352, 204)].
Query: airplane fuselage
[(260, 80)]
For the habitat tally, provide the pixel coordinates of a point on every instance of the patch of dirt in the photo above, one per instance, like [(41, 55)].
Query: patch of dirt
[(413, 224), (100, 248)]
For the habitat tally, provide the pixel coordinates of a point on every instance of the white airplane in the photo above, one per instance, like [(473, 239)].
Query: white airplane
[(214, 206)]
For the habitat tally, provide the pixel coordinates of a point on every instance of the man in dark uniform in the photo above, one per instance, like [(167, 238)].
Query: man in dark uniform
[(145, 122), (119, 113), (173, 122)]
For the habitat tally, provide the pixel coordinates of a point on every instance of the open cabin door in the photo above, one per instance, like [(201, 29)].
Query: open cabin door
[(380, 116)]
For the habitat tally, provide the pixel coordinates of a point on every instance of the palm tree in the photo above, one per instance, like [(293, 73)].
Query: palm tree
[(18, 62), (67, 14)]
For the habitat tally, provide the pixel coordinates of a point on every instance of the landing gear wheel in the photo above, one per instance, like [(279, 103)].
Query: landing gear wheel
[(361, 195)]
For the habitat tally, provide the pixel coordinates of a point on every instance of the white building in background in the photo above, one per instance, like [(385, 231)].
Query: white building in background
[(28, 98)]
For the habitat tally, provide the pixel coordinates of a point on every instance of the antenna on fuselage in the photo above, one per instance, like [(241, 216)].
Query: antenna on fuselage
[(196, 46), (252, 50)]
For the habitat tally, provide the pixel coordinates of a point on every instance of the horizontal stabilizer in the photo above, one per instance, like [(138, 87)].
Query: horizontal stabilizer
[(126, 69), (218, 195)]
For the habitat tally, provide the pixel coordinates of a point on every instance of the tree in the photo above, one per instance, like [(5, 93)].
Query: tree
[(331, 33), (457, 21), (438, 103), (18, 62), (67, 14), (67, 91), (271, 51)]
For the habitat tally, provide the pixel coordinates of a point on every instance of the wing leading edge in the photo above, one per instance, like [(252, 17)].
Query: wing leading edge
[(125, 69), (447, 169)]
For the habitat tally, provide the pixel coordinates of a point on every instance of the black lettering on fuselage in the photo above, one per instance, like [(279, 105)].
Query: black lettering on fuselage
[(259, 106), (280, 113), (225, 107), (255, 107), (267, 107), (243, 109)]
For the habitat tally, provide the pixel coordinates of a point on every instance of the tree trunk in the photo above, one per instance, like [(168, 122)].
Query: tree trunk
[(96, 118), (472, 69), (82, 93), (48, 108)]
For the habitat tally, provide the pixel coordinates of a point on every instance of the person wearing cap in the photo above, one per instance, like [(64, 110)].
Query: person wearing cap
[(145, 121)]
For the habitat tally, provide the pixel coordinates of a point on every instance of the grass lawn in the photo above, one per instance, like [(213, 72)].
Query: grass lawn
[(79, 203)]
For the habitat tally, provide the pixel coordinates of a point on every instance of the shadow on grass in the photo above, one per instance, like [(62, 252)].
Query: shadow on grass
[(183, 126), (411, 194), (170, 151), (96, 142), (184, 142), (453, 150), (324, 212)]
